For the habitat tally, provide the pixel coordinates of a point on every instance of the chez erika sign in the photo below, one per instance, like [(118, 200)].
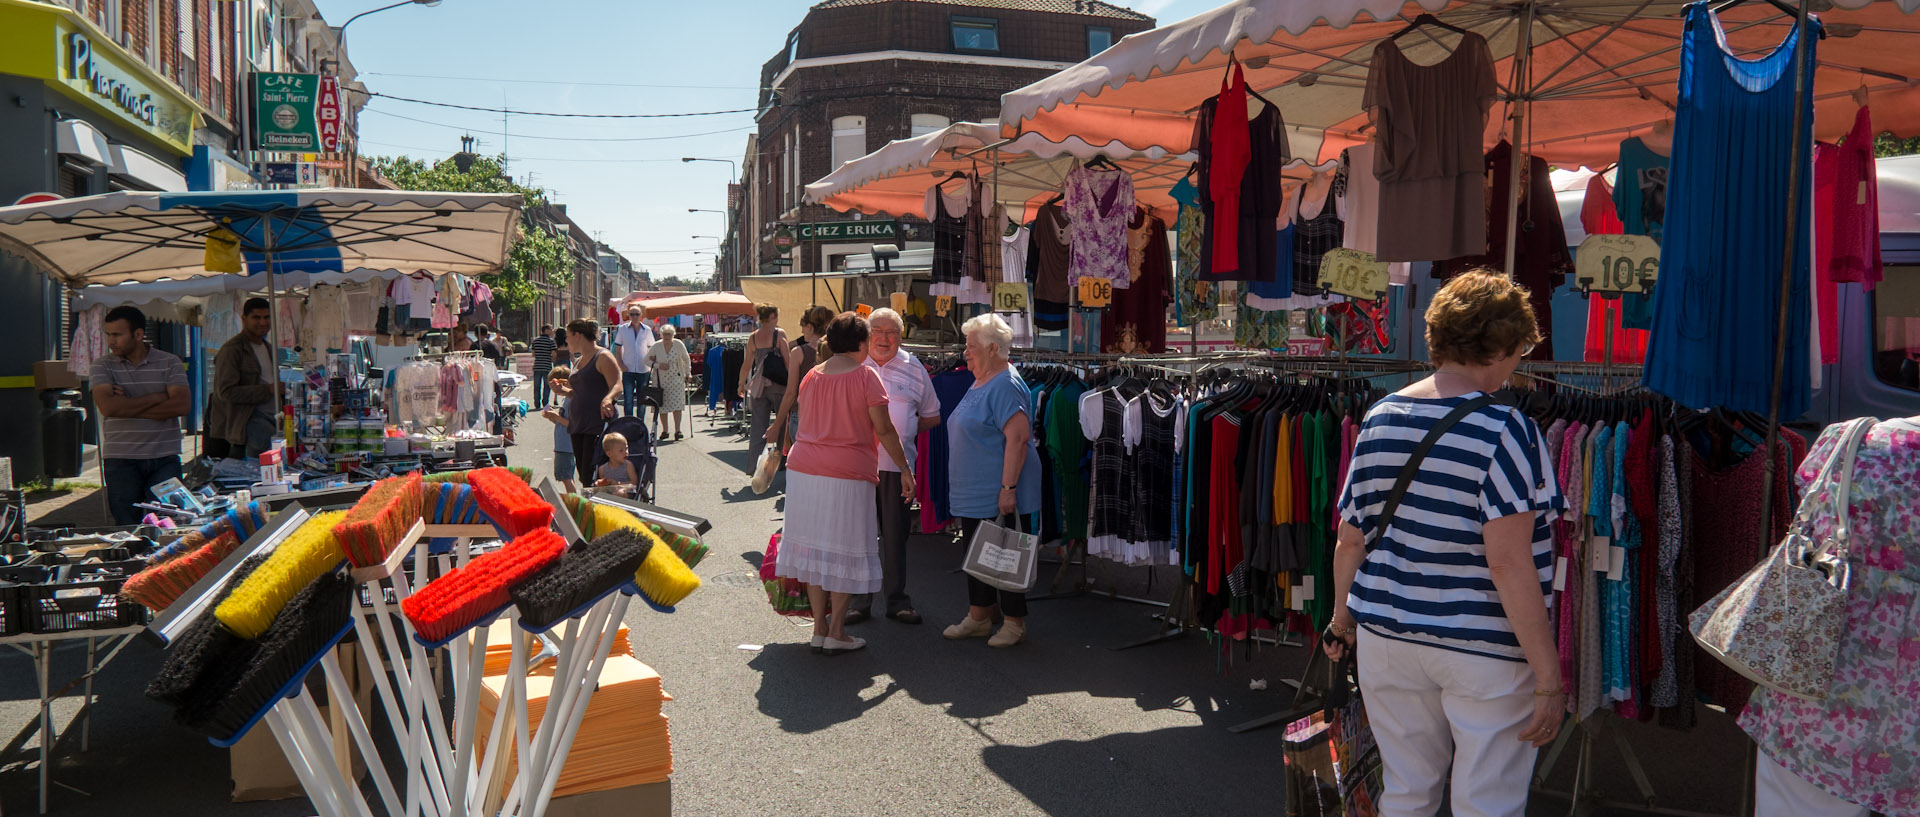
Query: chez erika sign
[(848, 231)]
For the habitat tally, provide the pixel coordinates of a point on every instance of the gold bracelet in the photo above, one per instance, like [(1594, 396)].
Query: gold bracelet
[(1548, 693)]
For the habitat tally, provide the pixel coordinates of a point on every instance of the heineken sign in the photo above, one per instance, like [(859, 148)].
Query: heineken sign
[(285, 108), (850, 231)]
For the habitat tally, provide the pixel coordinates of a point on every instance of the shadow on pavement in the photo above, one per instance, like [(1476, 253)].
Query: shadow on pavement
[(738, 459), (807, 693), (1134, 773)]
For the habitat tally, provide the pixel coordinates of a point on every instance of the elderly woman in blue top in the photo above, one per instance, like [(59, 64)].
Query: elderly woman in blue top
[(993, 469), (1457, 662)]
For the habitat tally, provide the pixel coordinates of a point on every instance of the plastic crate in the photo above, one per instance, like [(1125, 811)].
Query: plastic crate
[(91, 602), (13, 614)]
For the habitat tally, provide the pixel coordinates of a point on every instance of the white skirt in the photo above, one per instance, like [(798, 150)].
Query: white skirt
[(831, 539)]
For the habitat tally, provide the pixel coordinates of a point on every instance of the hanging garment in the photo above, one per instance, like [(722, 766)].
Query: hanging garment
[(1136, 320), (1846, 225), (1049, 255), (1640, 201), (1228, 154), (949, 240), (1726, 547), (1098, 204), (1432, 177), (89, 341), (1013, 251), (326, 328), (1603, 313), (1274, 290), (1258, 200), (1193, 298), (1357, 192), (1726, 209), (1541, 261), (1103, 420), (1317, 230)]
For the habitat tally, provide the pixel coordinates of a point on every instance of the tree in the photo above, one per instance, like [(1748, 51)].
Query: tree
[(537, 249), (1890, 145)]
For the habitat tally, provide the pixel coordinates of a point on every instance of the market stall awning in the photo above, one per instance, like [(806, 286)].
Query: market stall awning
[(699, 303), (144, 236), (894, 179), (1599, 70)]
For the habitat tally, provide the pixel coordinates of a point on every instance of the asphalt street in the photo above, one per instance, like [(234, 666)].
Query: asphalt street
[(914, 725)]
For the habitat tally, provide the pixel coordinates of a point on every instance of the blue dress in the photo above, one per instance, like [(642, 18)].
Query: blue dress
[(1717, 304)]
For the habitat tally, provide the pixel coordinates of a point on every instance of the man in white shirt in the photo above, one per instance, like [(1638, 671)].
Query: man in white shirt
[(632, 341), (914, 408)]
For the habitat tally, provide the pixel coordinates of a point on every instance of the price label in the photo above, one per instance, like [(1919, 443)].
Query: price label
[(1010, 297), (898, 302), (863, 310), (1617, 263), (1307, 347), (1095, 292), (942, 304), (1354, 274)]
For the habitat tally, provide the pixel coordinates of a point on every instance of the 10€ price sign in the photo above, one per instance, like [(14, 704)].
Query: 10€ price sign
[(1095, 292), (1010, 297), (1617, 263), (942, 304), (1354, 274)]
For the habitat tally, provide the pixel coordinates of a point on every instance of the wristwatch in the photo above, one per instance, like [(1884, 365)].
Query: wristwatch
[(1010, 488)]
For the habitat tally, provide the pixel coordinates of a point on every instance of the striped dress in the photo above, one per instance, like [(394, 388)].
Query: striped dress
[(1426, 579)]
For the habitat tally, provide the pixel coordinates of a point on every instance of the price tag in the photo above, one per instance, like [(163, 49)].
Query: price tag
[(1010, 297), (1617, 263), (1354, 274), (942, 304), (863, 310), (1095, 292), (898, 302)]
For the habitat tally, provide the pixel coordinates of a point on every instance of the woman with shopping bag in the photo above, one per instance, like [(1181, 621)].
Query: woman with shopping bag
[(993, 469), (1444, 563)]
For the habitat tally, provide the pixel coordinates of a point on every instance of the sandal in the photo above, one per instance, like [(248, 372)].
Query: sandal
[(906, 616)]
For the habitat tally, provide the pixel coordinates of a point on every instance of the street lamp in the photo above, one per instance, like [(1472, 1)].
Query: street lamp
[(698, 210), (733, 170), (714, 237), (343, 26)]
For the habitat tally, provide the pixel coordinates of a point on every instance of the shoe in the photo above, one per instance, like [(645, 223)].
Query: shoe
[(819, 644), (857, 617), (969, 627), (835, 646), (677, 435), (1011, 633), (906, 616)]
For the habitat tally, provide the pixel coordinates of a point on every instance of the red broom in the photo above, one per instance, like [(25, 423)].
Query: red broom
[(379, 519), (509, 502), (461, 597)]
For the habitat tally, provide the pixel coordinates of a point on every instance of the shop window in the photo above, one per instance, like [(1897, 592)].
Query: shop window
[(980, 34), (1099, 38), (74, 180), (925, 123), (1896, 327), (849, 139)]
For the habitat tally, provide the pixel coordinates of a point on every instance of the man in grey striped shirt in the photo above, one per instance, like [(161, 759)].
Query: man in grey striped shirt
[(142, 394)]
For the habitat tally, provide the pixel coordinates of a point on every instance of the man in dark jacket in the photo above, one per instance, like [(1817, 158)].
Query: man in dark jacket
[(242, 415)]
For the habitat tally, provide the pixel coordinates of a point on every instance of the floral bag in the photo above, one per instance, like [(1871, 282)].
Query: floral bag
[(788, 596), (1780, 624)]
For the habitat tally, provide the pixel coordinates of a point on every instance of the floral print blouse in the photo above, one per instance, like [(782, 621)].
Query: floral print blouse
[(1862, 743)]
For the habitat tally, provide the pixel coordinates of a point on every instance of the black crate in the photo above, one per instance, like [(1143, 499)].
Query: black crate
[(13, 613), (92, 602)]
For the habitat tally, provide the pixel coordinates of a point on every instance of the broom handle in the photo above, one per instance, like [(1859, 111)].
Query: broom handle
[(565, 692), (426, 694), (524, 785), (466, 708), (605, 645), (305, 717), (357, 725), (503, 718), (322, 796), (396, 716), (431, 801)]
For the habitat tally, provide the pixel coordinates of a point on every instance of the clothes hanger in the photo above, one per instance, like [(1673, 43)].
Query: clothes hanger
[(1430, 20), (1783, 7), (1100, 160)]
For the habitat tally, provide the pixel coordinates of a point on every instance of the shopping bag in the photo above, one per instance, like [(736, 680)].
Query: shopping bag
[(788, 596), (1780, 625), (764, 470), (1003, 557), (1332, 763)]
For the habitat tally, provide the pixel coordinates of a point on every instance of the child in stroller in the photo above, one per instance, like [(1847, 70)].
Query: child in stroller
[(636, 473)]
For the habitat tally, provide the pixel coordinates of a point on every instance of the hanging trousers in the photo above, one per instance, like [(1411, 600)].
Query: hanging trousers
[(894, 511)]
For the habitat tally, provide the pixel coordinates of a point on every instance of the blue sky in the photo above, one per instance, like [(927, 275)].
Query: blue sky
[(621, 179)]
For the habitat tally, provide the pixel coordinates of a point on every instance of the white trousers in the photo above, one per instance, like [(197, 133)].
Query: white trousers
[(1778, 792), (1432, 709)]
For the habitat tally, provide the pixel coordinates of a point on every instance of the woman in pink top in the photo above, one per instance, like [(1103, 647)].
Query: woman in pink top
[(831, 537)]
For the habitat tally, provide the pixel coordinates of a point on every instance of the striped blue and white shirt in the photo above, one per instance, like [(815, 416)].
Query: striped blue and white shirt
[(1426, 579)]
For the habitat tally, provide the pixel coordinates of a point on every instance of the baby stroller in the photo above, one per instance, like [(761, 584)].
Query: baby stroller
[(639, 449)]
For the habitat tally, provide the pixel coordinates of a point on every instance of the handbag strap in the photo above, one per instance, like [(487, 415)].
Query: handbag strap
[(1842, 477), (1412, 468)]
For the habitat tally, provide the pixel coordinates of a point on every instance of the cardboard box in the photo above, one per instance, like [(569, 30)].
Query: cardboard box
[(647, 800), (53, 374), (259, 767)]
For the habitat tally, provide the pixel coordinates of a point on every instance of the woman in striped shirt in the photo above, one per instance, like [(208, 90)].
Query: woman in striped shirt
[(1445, 602)]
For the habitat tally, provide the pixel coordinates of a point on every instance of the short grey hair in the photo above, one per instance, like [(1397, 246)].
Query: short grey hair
[(993, 329), (667, 330), (886, 314)]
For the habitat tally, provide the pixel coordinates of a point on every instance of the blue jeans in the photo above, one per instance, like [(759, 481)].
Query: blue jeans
[(636, 385), (128, 481), (540, 387)]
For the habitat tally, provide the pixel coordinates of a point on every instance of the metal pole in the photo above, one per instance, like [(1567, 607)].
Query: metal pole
[(1521, 94)]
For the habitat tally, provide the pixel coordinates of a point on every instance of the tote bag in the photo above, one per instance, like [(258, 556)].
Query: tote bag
[(1003, 557)]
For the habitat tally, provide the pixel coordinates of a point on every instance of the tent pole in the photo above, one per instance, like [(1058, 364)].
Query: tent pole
[(1521, 101)]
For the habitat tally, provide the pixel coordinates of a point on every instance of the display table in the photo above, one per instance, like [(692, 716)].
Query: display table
[(40, 646)]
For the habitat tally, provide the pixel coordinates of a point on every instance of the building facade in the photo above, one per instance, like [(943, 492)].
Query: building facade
[(856, 74)]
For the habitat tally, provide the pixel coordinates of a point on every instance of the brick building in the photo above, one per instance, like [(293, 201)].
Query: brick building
[(856, 74)]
